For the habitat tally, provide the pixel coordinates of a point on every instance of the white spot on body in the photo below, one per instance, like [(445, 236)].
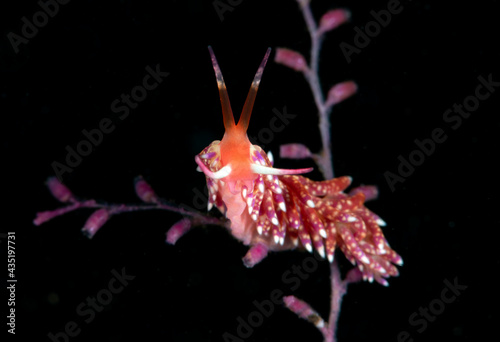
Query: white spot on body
[(261, 187), (351, 219)]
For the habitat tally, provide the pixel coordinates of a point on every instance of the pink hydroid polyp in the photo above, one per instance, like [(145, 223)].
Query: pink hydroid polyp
[(144, 191), (59, 190), (340, 92), (291, 59), (333, 19), (95, 222)]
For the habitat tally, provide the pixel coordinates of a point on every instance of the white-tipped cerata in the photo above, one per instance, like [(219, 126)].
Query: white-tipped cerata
[(266, 170), (223, 172), (270, 157), (321, 251), (330, 258)]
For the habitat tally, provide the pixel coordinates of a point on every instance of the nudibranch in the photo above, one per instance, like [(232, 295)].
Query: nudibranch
[(277, 209)]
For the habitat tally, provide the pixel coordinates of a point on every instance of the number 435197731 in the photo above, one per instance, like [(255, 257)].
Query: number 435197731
[(11, 254)]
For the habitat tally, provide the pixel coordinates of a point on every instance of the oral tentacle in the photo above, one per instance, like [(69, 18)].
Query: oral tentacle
[(219, 174), (267, 170)]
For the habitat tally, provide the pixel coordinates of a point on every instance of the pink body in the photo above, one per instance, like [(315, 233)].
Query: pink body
[(275, 209)]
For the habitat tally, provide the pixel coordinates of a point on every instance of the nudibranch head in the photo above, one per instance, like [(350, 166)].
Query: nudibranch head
[(235, 153)]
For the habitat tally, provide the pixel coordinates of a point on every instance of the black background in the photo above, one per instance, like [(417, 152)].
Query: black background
[(442, 219)]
